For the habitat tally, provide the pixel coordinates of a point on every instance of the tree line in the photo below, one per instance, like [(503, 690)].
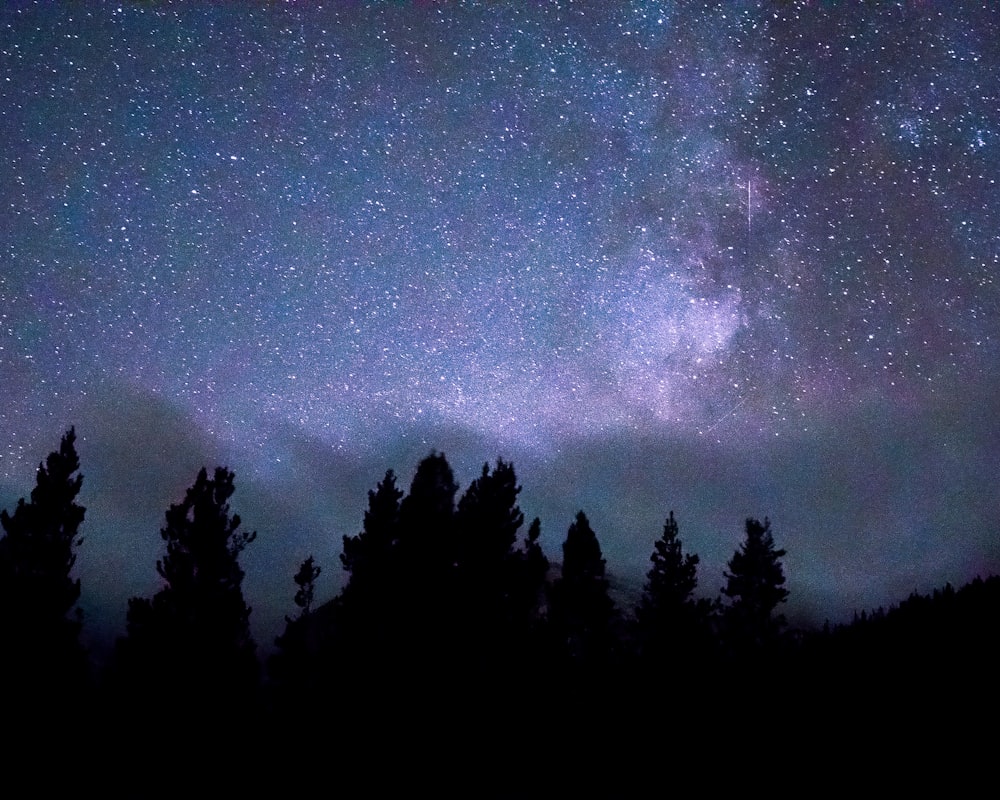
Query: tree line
[(447, 608)]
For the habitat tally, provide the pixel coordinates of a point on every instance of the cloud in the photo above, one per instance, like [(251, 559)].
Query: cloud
[(908, 508)]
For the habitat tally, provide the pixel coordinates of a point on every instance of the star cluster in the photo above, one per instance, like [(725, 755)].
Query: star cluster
[(722, 225)]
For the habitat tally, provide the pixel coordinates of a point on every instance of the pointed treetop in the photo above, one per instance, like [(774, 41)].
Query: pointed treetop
[(55, 476), (432, 492), (581, 551), (37, 550), (673, 577), (200, 533), (305, 579), (489, 514), (370, 548), (755, 580)]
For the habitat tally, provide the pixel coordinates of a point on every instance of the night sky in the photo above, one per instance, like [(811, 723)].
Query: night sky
[(734, 259)]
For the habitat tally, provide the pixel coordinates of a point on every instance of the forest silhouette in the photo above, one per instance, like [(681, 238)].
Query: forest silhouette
[(456, 635)]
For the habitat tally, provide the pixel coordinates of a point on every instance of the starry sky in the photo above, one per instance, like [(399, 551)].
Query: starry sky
[(731, 259)]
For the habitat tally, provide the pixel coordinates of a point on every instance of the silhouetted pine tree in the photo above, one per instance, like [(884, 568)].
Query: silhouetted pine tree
[(526, 640), (531, 567), (296, 666), (670, 622), (582, 614), (364, 609), (367, 555), (403, 572), (39, 633), (487, 521), (427, 542), (191, 642), (305, 579), (427, 558), (755, 587)]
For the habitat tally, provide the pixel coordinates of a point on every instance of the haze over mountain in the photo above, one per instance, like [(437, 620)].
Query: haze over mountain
[(732, 259)]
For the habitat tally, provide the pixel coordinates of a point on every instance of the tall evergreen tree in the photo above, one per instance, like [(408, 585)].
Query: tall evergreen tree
[(671, 582), (487, 521), (488, 614), (364, 607), (192, 640), (670, 622), (489, 518), (426, 564), (38, 630), (755, 587), (426, 545), (531, 568), (526, 600), (296, 665), (427, 516), (402, 571), (366, 556), (305, 579), (581, 611)]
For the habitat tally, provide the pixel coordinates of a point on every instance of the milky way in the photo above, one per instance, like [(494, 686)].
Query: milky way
[(732, 259)]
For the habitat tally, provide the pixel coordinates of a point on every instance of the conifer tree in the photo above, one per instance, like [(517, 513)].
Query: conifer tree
[(670, 621), (526, 597), (426, 564), (38, 630), (305, 579), (192, 639), (581, 611), (530, 570), (427, 516), (755, 587), (425, 549), (367, 555), (402, 572), (674, 576), (365, 615), (489, 518), (487, 521), (295, 666)]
